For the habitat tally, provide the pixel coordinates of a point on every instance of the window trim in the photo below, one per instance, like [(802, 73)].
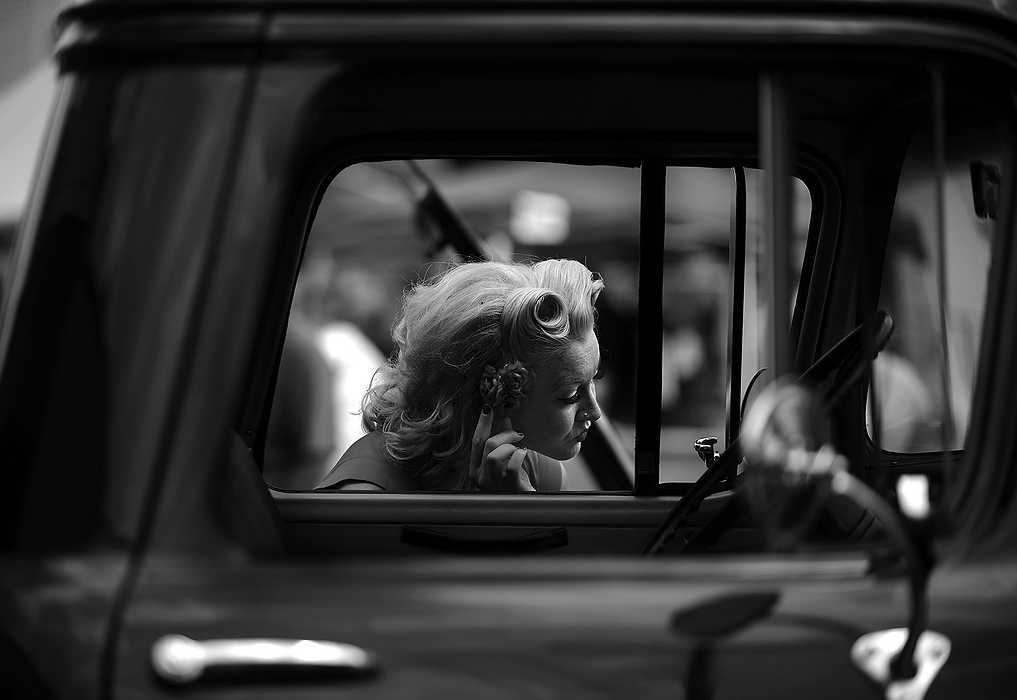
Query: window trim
[(652, 208), (940, 463), (811, 167)]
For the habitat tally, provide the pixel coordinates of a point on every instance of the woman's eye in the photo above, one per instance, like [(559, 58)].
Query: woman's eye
[(599, 374), (573, 398)]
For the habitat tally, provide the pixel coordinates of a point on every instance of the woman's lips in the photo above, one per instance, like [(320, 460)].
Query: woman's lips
[(581, 436)]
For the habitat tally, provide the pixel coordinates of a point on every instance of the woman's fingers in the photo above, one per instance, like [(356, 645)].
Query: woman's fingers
[(495, 461), (480, 435), (516, 478), (499, 439), (502, 469)]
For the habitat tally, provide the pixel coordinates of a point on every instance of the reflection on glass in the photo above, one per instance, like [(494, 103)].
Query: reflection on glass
[(697, 289), (908, 374)]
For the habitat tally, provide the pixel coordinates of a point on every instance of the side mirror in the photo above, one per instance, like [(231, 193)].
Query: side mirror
[(792, 469), (785, 441), (783, 427)]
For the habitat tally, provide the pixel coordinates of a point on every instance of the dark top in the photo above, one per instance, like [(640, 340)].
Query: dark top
[(366, 460)]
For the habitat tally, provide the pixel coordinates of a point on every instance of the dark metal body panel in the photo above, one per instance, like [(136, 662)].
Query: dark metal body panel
[(579, 628)]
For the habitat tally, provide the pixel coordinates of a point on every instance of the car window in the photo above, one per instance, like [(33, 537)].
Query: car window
[(369, 243), (911, 389), (698, 288)]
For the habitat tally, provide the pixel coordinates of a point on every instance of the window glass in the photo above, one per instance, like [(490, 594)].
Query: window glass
[(369, 243), (909, 372), (756, 310), (695, 371)]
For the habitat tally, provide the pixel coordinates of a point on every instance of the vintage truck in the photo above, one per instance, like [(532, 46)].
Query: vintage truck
[(203, 157)]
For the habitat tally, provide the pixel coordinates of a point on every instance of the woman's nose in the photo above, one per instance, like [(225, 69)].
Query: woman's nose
[(593, 411)]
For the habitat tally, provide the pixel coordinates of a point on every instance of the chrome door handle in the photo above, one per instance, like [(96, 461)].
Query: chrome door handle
[(180, 660)]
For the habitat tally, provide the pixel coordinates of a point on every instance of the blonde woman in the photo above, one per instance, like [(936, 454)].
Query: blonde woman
[(492, 384)]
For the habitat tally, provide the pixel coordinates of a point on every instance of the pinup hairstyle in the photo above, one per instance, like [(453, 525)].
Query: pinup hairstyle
[(426, 399)]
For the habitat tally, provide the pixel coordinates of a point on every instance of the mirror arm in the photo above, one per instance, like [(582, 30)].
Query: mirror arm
[(917, 559)]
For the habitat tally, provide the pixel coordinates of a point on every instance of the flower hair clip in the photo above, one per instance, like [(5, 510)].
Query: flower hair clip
[(503, 387)]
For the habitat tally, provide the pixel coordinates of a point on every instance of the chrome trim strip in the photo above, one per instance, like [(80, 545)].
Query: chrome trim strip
[(334, 507)]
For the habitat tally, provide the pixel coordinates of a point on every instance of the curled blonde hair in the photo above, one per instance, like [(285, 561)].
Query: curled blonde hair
[(426, 399)]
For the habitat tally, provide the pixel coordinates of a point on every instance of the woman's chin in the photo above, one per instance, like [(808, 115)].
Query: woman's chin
[(567, 451)]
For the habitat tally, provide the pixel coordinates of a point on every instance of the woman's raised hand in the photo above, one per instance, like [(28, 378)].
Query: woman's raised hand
[(496, 464)]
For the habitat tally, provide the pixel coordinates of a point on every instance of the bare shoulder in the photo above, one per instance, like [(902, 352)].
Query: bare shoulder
[(354, 485)]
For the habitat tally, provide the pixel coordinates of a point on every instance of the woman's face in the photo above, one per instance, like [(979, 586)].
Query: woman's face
[(561, 402)]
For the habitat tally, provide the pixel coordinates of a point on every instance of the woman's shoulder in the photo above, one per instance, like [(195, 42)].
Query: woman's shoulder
[(365, 461), (545, 474)]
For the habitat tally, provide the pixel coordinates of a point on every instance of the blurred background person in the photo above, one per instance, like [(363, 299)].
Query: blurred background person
[(328, 360)]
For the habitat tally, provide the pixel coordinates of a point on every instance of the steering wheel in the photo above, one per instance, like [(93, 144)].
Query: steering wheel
[(834, 373)]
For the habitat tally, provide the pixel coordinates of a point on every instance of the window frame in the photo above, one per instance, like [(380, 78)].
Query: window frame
[(938, 464), (818, 174)]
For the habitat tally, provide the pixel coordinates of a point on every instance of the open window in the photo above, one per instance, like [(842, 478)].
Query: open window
[(371, 239)]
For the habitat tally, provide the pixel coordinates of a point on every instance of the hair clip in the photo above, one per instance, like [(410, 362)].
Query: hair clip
[(503, 387)]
